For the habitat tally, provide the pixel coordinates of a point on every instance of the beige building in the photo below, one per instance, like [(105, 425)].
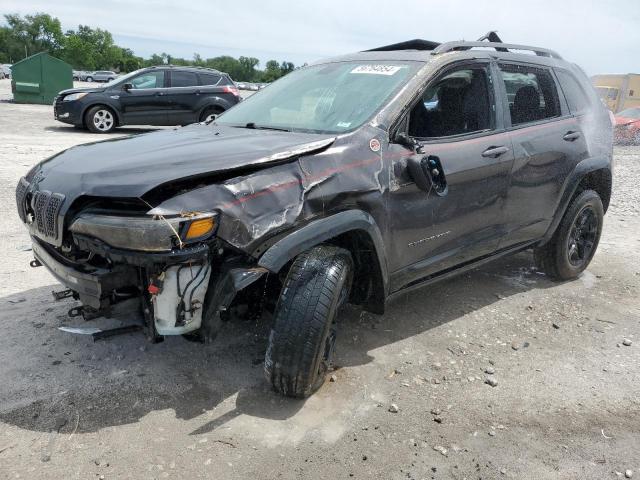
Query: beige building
[(618, 92)]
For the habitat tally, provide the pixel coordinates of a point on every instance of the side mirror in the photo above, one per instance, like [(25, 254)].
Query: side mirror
[(402, 138), (426, 171), (127, 86)]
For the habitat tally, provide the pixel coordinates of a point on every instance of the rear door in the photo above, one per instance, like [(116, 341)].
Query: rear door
[(456, 121), (547, 143), (146, 103), (184, 96)]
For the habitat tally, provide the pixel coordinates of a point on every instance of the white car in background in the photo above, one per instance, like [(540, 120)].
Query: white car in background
[(101, 76)]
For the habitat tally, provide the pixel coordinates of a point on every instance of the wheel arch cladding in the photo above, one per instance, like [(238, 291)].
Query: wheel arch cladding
[(600, 181), (353, 230), (591, 174)]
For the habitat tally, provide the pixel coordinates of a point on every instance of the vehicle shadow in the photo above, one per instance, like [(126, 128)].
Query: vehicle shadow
[(54, 381)]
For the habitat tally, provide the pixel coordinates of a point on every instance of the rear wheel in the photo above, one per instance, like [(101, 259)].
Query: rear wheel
[(574, 243), (89, 79), (100, 119), (208, 113), (302, 340)]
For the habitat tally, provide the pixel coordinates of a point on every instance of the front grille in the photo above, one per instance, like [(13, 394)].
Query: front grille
[(46, 206), (21, 193)]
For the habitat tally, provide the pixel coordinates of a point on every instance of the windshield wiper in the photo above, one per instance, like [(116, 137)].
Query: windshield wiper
[(253, 126)]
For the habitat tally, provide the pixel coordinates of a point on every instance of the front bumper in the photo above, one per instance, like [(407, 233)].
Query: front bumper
[(91, 284), (68, 112)]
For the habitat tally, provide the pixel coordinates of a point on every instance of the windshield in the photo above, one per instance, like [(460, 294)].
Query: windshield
[(630, 113), (329, 98)]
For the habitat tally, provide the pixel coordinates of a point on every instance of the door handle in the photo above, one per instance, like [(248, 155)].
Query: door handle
[(160, 94), (494, 152), (570, 136)]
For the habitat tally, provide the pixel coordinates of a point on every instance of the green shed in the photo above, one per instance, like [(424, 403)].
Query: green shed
[(39, 78)]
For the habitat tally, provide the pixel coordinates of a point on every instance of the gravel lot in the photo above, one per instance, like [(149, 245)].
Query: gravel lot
[(566, 404)]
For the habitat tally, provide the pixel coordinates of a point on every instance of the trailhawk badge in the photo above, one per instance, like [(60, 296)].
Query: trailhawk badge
[(374, 145)]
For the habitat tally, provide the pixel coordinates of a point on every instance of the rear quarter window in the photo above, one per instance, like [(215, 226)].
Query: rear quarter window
[(209, 79), (576, 96)]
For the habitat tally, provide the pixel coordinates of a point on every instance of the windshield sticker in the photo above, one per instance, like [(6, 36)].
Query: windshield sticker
[(374, 145), (377, 69), (343, 124)]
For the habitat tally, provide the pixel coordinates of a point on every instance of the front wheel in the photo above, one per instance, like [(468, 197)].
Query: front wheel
[(89, 79), (574, 243), (302, 340), (100, 119)]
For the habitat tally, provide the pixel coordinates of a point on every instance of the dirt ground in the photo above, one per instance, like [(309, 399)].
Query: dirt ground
[(566, 404)]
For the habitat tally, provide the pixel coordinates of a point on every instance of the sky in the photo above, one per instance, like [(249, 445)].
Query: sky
[(601, 36)]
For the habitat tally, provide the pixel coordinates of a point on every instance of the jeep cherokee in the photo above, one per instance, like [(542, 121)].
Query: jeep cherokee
[(351, 180)]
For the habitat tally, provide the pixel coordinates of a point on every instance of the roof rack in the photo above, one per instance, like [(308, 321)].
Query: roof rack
[(500, 47)]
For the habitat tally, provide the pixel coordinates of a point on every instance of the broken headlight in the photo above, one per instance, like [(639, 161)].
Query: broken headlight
[(150, 233)]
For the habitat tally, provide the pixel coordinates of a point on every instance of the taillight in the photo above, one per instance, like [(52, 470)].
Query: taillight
[(231, 90)]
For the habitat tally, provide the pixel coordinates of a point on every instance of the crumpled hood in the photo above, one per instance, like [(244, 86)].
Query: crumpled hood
[(131, 166)]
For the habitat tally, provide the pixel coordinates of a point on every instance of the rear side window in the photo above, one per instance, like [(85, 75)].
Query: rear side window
[(531, 93), (574, 93), (209, 79), (183, 79)]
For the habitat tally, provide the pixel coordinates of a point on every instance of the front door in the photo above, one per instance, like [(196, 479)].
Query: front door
[(459, 128), (147, 102)]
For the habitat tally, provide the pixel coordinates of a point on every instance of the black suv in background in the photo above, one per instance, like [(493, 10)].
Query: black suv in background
[(164, 95), (352, 180)]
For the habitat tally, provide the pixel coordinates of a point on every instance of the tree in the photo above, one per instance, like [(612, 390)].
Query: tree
[(90, 48), (30, 35)]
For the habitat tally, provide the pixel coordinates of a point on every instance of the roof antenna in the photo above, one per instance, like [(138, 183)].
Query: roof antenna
[(493, 37)]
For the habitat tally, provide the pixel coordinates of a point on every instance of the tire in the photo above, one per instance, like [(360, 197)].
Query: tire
[(110, 79), (301, 342), (89, 79), (575, 241), (207, 112), (100, 119)]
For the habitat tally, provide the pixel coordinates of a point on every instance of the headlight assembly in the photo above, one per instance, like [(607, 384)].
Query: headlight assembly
[(153, 234), (74, 96)]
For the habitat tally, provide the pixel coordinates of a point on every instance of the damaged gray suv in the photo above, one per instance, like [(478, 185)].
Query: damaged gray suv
[(349, 181)]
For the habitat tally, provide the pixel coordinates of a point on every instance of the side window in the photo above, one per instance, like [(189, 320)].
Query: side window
[(148, 80), (183, 79), (531, 93), (457, 103), (573, 91), (209, 79)]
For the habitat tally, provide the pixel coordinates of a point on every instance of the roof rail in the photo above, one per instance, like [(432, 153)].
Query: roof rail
[(501, 47)]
